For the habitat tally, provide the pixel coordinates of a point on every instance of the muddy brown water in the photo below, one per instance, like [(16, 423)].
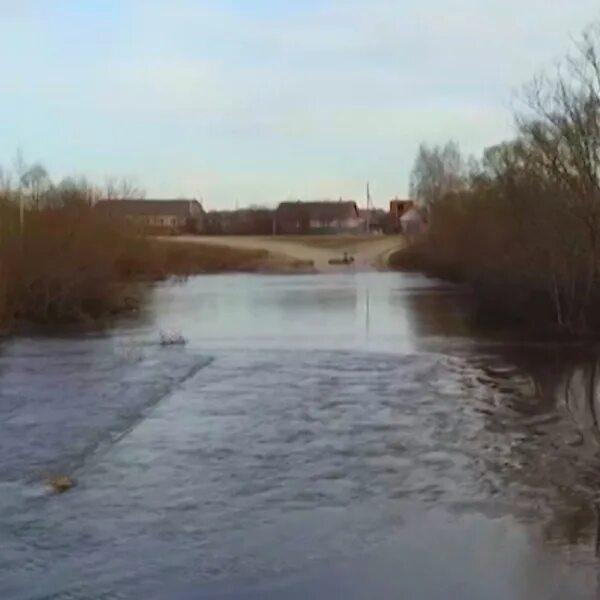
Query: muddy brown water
[(340, 436)]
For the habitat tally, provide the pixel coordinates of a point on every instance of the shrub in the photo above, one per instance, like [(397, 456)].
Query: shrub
[(64, 266), (523, 225), (71, 264)]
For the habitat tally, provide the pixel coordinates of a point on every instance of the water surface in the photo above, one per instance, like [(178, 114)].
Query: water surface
[(351, 435)]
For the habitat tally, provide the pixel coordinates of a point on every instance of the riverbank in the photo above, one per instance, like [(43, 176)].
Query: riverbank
[(70, 266), (500, 301), (521, 225), (165, 259)]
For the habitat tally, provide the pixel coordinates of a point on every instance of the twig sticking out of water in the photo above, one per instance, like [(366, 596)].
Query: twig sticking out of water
[(172, 338), (597, 546), (129, 351)]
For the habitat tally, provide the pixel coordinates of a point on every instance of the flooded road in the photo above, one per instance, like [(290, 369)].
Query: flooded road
[(340, 436)]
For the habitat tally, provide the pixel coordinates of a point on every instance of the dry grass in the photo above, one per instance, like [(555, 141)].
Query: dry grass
[(165, 258), (71, 265), (526, 267), (326, 242), (64, 267)]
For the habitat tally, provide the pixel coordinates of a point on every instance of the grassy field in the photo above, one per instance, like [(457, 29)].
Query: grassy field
[(166, 258), (326, 242)]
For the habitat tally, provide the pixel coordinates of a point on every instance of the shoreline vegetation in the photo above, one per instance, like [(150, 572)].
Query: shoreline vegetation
[(62, 263), (69, 265), (521, 225)]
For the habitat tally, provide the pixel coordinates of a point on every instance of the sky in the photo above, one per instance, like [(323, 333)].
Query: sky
[(241, 102)]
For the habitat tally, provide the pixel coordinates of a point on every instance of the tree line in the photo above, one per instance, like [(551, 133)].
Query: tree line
[(521, 224), (59, 260), (30, 184), (63, 262)]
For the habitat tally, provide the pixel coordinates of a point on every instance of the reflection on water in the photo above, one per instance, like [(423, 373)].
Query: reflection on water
[(346, 436)]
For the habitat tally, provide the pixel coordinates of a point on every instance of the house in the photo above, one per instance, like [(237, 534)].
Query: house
[(412, 222), (374, 220), (317, 217), (157, 216), (397, 209), (247, 221)]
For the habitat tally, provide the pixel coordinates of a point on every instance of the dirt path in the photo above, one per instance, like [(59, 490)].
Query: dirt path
[(369, 252)]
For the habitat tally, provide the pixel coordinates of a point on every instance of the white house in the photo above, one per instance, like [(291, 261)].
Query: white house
[(412, 222)]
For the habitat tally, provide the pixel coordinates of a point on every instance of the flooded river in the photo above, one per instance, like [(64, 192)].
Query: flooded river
[(339, 436)]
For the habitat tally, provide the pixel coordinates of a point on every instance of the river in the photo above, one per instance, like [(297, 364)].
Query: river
[(333, 436)]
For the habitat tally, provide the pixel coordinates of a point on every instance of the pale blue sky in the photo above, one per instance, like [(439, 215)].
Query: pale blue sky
[(255, 101)]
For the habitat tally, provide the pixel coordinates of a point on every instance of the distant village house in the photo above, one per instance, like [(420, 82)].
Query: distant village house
[(412, 222), (398, 208), (374, 220), (157, 216), (327, 217), (406, 217), (247, 221)]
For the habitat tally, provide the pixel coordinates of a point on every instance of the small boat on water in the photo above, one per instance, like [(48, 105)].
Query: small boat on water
[(345, 260)]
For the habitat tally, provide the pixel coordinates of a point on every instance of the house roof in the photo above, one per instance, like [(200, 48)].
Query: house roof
[(401, 202), (241, 212), (180, 208), (322, 211)]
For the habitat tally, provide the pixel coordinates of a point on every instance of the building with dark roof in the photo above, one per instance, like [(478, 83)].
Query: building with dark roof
[(246, 221), (412, 222), (317, 217), (397, 209), (157, 216)]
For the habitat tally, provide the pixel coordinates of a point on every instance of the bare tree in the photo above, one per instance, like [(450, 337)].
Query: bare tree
[(437, 171), (5, 184), (19, 165), (74, 191), (36, 182), (561, 130), (122, 189), (523, 225)]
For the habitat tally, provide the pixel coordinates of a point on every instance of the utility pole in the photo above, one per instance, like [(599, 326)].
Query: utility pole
[(368, 222)]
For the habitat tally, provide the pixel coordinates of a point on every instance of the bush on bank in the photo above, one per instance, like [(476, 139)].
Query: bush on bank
[(68, 264), (521, 225)]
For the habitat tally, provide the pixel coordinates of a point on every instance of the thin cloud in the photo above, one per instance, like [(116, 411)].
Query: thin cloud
[(190, 95)]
